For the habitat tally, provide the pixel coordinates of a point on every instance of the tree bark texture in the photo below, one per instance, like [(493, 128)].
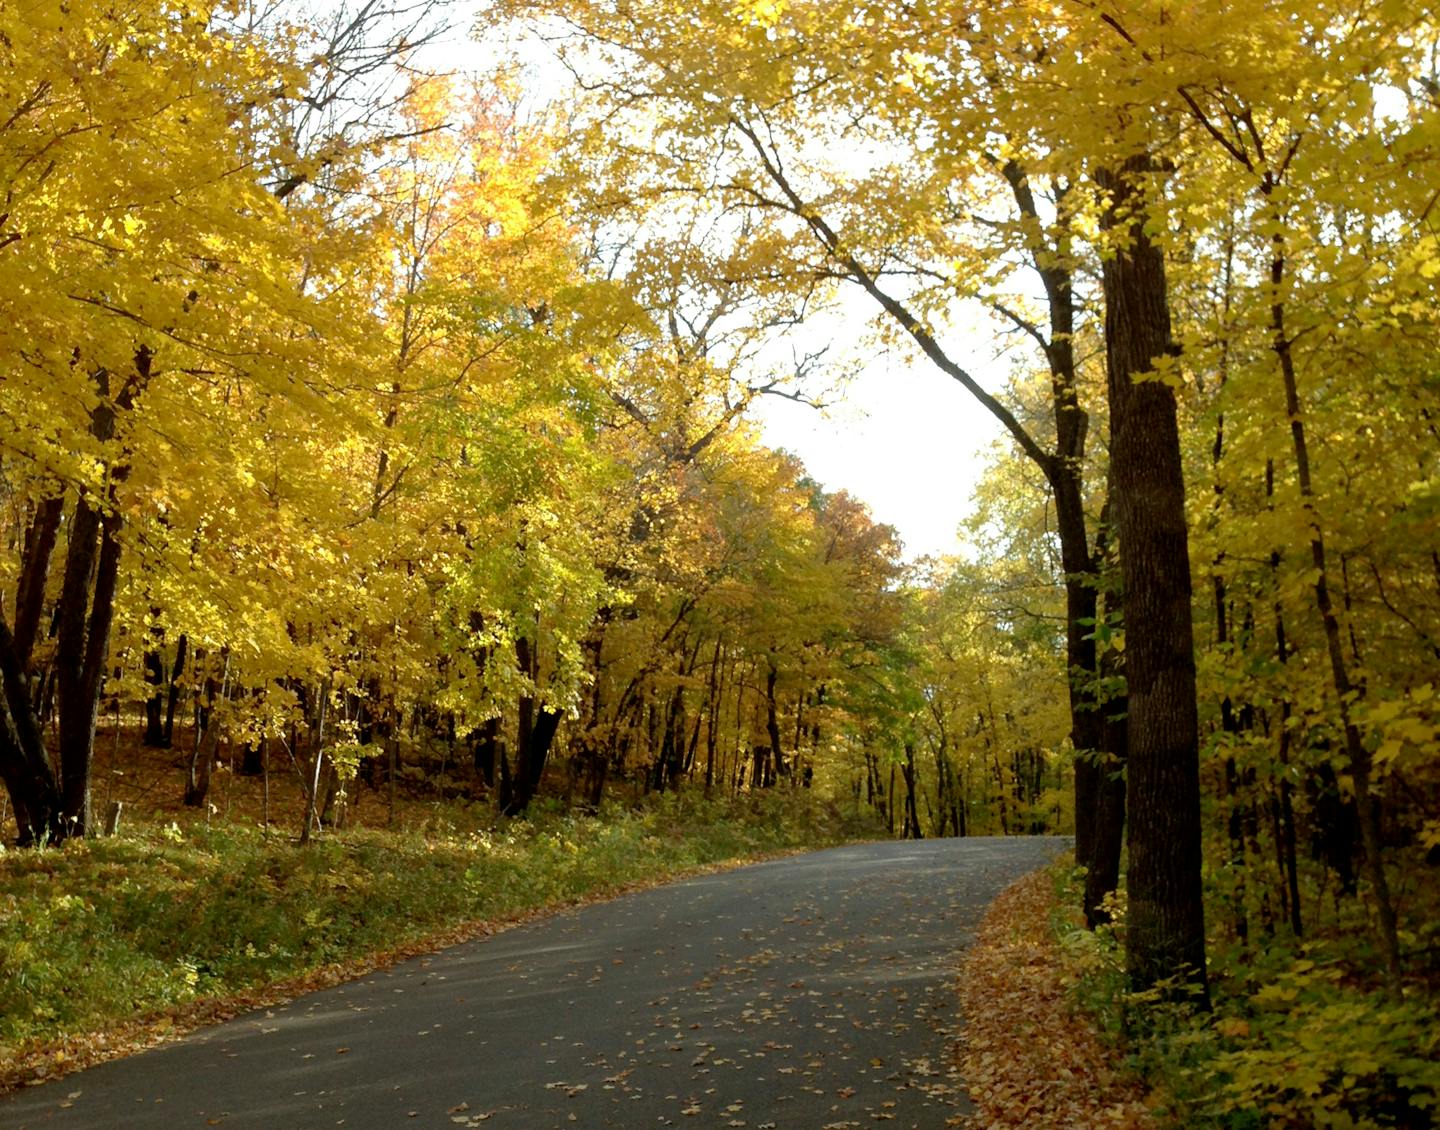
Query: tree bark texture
[(1165, 927)]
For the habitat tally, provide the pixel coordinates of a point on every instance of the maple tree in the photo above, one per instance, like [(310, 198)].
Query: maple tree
[(752, 136), (151, 283), (1105, 141), (362, 420)]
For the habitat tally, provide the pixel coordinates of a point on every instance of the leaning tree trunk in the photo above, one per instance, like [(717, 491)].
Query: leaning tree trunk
[(24, 764), (1099, 789), (1165, 925)]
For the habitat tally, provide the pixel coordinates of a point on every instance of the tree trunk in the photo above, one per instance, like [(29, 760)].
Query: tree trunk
[(155, 703), (317, 756), (547, 722), (1098, 818), (1001, 792), (1347, 690), (484, 742), (207, 740), (712, 717), (40, 537), (890, 802), (172, 698), (911, 829), (515, 790), (24, 763), (535, 730), (1103, 874), (87, 607), (86, 611), (1165, 925)]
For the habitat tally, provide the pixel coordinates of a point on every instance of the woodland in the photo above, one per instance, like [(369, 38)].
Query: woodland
[(374, 434)]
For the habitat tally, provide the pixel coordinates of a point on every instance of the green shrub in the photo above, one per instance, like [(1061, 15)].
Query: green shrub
[(1309, 1050), (1295, 1041)]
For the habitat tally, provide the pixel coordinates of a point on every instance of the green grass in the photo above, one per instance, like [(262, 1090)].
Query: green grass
[(99, 932)]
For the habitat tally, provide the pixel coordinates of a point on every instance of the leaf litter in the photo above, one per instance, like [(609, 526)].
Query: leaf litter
[(1031, 1061)]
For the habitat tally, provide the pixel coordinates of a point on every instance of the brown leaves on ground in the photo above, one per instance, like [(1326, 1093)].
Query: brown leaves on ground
[(1029, 1059)]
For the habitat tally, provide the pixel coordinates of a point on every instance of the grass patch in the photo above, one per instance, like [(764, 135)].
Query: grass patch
[(157, 925)]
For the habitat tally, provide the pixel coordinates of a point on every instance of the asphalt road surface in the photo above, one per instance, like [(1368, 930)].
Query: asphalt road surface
[(806, 993)]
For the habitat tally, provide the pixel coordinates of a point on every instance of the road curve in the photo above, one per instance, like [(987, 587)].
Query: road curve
[(810, 992)]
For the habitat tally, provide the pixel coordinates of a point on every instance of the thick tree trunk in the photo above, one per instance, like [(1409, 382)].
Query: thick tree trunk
[(597, 769), (1165, 925), (484, 742), (24, 763), (39, 550), (155, 703), (87, 607), (81, 643), (542, 737)]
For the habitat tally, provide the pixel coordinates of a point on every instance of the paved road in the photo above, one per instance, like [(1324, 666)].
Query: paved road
[(805, 993)]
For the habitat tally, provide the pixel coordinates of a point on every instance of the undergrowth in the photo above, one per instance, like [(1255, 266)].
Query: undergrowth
[(101, 931), (1294, 1038)]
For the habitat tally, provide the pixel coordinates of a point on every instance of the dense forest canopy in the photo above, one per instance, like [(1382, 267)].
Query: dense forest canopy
[(330, 422), (373, 419)]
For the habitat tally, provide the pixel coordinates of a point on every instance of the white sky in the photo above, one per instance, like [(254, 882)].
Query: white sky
[(907, 440)]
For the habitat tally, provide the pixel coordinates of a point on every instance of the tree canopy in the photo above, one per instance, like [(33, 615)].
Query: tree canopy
[(393, 419)]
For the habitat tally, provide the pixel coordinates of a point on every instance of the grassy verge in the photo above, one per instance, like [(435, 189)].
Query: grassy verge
[(110, 944)]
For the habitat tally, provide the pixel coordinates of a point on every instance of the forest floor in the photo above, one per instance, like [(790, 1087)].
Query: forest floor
[(1295, 1034), (1031, 1058)]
